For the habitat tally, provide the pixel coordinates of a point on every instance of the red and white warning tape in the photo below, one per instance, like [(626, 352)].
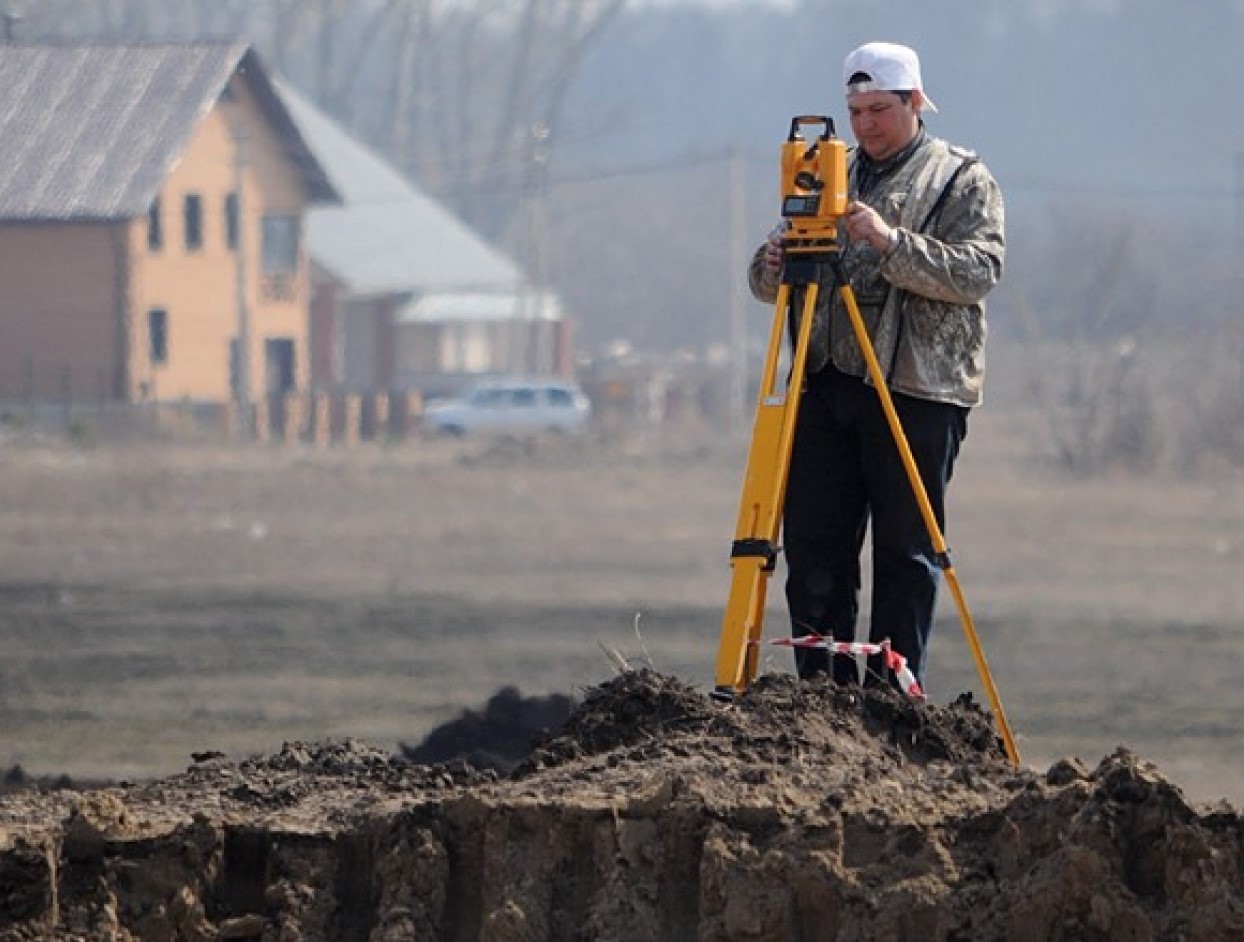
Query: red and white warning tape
[(893, 660)]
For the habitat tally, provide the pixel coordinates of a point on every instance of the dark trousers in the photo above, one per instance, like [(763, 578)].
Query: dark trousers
[(845, 475)]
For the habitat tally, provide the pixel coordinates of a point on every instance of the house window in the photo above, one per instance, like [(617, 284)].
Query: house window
[(465, 348), (280, 258), (155, 234), (280, 245), (231, 222), (157, 334), (194, 221)]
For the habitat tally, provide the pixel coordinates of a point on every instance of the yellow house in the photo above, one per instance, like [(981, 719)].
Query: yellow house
[(151, 225)]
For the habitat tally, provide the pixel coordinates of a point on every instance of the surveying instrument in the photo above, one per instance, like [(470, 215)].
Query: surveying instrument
[(814, 199)]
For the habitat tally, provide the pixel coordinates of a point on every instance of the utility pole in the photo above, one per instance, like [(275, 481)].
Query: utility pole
[(242, 378), (537, 275), (736, 402), (1239, 208)]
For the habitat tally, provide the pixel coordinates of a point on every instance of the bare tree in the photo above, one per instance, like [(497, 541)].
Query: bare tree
[(464, 95), (1086, 331), (1128, 329), (487, 76)]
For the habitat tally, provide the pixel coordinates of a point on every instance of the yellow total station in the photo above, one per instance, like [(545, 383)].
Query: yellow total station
[(814, 184)]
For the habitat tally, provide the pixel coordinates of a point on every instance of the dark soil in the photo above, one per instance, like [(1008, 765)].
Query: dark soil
[(802, 811), (500, 736)]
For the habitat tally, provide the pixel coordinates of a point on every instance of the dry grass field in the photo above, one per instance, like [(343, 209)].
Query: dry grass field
[(158, 600)]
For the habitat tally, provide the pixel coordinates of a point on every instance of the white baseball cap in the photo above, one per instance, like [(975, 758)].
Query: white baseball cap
[(889, 67)]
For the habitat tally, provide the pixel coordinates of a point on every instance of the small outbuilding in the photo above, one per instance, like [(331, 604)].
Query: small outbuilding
[(404, 296)]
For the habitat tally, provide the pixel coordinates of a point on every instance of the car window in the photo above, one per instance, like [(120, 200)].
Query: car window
[(559, 397), (488, 398), (524, 398)]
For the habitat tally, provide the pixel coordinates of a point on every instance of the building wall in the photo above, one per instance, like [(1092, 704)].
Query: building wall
[(442, 357), (198, 288), (61, 291), (325, 349), (365, 340)]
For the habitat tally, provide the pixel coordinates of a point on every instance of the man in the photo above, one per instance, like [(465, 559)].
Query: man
[(922, 243)]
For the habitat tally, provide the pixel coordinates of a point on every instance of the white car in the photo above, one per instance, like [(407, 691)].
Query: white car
[(512, 407)]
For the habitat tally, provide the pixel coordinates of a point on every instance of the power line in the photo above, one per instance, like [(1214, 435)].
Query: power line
[(1128, 190)]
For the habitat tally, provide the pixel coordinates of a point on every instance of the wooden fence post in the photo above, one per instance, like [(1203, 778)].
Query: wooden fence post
[(353, 419), (414, 411), (323, 420), (263, 420), (293, 418), (380, 417)]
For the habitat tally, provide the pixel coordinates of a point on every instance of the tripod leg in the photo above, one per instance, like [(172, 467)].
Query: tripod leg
[(754, 552), (926, 509)]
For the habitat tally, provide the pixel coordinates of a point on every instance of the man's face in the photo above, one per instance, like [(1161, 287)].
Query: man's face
[(882, 122)]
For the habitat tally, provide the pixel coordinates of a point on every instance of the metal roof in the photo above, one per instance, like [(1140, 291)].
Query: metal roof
[(454, 307), (90, 132), (388, 236)]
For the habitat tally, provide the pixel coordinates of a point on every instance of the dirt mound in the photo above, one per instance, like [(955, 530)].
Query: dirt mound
[(802, 811), (643, 706), (638, 705), (498, 738)]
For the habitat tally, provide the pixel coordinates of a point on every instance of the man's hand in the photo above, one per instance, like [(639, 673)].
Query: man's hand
[(864, 224), (775, 251)]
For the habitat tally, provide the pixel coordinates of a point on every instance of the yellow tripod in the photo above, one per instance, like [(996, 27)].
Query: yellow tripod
[(814, 198)]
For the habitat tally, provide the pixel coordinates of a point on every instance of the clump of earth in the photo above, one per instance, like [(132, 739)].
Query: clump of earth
[(643, 811), (500, 736)]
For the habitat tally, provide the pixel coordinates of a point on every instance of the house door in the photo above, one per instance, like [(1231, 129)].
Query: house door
[(278, 366)]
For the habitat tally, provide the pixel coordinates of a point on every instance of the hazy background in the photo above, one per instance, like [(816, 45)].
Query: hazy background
[(1094, 115), (626, 154)]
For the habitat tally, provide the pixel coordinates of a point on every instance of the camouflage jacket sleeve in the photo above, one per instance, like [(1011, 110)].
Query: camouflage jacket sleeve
[(762, 280), (962, 260)]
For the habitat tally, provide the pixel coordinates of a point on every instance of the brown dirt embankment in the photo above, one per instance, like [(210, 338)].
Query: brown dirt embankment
[(803, 811)]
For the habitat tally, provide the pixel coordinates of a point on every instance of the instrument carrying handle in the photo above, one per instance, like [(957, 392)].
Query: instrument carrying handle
[(800, 121)]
